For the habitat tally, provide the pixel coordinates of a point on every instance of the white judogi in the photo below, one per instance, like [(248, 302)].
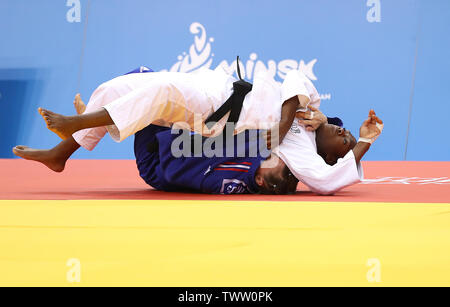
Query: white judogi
[(163, 98)]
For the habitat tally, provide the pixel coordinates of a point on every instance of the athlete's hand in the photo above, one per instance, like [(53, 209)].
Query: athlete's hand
[(371, 127), (311, 119)]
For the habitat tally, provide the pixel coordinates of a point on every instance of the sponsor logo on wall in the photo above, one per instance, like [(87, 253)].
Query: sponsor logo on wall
[(200, 56)]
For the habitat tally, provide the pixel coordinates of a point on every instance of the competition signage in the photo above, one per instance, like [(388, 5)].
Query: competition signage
[(200, 56)]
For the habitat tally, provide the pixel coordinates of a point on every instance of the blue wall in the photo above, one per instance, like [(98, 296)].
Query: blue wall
[(399, 66)]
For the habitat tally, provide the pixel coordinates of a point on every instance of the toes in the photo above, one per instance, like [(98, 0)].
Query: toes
[(45, 112), (19, 148), (48, 121)]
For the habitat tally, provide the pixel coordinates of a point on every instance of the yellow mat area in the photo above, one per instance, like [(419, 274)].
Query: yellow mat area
[(217, 243)]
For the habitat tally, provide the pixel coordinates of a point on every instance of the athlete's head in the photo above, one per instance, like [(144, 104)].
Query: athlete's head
[(333, 142), (274, 177)]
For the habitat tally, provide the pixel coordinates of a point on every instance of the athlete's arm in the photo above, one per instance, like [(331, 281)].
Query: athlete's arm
[(369, 131), (288, 111)]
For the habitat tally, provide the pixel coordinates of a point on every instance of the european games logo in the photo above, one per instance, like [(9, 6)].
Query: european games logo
[(200, 56)]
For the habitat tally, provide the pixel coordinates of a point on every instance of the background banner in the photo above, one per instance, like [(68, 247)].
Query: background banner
[(391, 56)]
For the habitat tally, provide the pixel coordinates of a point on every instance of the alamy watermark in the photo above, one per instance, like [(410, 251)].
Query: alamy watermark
[(73, 275), (189, 144), (74, 13), (374, 273), (374, 13), (223, 142)]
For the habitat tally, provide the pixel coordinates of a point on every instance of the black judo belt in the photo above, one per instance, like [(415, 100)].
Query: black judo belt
[(233, 104)]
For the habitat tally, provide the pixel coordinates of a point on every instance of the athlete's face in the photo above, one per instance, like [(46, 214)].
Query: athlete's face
[(274, 177), (334, 142)]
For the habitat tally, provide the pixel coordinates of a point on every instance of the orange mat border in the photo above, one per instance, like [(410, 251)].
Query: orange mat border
[(118, 179)]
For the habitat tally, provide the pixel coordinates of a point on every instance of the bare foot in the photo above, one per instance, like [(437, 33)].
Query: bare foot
[(46, 157), (79, 105), (62, 125)]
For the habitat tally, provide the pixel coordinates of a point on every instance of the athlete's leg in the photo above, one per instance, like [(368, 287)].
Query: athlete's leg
[(65, 126), (55, 158), (105, 94), (147, 161), (162, 102), (79, 105)]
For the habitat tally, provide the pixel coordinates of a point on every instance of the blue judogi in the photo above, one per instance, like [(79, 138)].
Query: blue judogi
[(216, 175), (141, 69)]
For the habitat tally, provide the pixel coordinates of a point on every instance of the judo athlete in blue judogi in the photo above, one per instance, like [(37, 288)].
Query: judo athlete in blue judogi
[(247, 170)]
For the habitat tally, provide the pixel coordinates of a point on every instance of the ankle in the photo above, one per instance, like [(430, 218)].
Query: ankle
[(76, 122)]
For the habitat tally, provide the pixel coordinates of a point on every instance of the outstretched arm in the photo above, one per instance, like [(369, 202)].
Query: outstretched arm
[(368, 133)]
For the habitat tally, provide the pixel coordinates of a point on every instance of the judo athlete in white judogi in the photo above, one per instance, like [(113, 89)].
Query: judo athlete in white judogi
[(163, 98), (127, 104)]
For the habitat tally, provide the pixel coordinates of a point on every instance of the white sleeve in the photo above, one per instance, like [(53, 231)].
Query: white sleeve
[(294, 84), (313, 171), (328, 179)]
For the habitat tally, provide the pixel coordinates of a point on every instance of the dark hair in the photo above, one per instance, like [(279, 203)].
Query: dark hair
[(278, 185)]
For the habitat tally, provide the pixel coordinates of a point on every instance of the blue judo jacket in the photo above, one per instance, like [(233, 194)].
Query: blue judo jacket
[(230, 174)]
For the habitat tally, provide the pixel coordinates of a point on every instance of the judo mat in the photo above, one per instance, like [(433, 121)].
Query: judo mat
[(98, 224)]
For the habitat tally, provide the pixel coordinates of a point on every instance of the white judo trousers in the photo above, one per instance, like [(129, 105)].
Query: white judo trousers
[(136, 100), (165, 98)]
